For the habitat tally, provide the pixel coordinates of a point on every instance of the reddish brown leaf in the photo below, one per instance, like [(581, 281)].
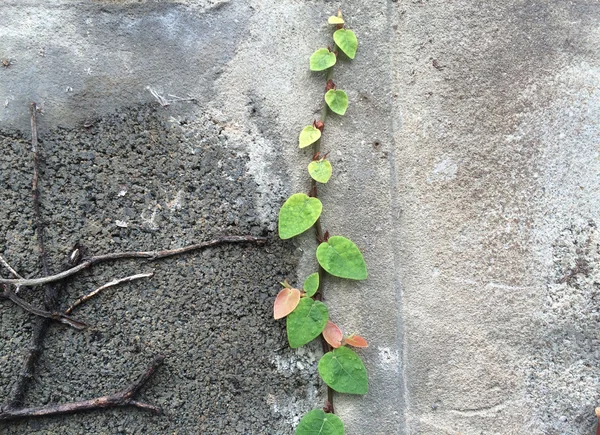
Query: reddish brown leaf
[(332, 334), (286, 301), (356, 341)]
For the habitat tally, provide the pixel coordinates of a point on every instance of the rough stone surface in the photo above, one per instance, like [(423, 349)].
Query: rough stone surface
[(139, 180), (466, 169)]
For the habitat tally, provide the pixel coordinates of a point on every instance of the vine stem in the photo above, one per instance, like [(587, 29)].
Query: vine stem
[(319, 295)]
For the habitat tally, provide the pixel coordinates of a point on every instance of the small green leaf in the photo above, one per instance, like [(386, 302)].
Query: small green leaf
[(298, 214), (308, 136), (320, 170), (311, 284), (344, 372), (340, 257), (346, 40), (335, 20), (322, 59), (316, 422), (306, 322), (337, 101)]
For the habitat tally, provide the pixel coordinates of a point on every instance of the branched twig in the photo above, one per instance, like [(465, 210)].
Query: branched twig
[(125, 397), (90, 295), (59, 317), (150, 255)]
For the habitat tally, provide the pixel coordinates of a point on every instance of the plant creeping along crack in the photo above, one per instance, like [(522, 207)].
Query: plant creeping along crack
[(307, 316)]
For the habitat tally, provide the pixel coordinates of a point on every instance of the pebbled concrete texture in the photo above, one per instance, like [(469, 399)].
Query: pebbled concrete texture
[(466, 169)]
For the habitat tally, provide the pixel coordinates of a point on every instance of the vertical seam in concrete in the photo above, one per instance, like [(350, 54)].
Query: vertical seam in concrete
[(394, 212)]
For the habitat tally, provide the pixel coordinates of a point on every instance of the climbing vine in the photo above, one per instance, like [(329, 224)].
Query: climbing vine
[(306, 315)]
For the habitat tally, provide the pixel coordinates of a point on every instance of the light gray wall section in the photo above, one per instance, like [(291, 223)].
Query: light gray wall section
[(496, 128)]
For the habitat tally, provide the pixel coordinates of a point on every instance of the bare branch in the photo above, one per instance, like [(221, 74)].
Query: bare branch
[(59, 317), (90, 295), (125, 397), (150, 255), (50, 293)]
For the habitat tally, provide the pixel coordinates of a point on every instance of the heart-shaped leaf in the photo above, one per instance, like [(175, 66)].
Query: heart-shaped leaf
[(311, 284), (308, 136), (340, 257), (320, 170), (285, 302), (337, 101), (322, 59), (332, 334), (335, 20), (298, 214), (346, 40), (356, 341), (306, 322), (317, 422), (343, 371)]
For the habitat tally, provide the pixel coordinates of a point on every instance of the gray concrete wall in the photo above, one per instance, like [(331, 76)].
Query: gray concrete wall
[(466, 169), (496, 156)]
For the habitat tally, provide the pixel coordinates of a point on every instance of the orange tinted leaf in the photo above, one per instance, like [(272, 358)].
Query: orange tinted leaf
[(332, 334), (356, 341), (286, 302)]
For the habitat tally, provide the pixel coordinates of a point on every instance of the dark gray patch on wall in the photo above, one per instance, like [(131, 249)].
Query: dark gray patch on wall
[(140, 180)]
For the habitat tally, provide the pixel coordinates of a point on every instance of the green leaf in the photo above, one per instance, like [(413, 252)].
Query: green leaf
[(311, 284), (320, 170), (337, 101), (306, 322), (298, 214), (346, 40), (335, 20), (308, 136), (322, 59), (340, 257), (344, 372), (316, 422)]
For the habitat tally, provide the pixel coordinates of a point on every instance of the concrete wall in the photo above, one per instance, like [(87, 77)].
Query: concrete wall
[(466, 169), (496, 154)]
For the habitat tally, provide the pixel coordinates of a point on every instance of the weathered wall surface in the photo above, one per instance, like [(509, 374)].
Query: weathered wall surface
[(466, 169), (496, 128)]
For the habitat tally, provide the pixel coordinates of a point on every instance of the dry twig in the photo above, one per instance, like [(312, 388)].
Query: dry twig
[(105, 286), (50, 295), (150, 255), (59, 317), (10, 269), (125, 397)]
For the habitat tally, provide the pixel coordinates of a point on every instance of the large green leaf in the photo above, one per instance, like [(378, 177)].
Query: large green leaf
[(306, 322), (316, 422), (337, 101), (344, 372), (311, 284), (298, 214), (322, 59), (346, 40), (308, 136), (320, 170), (340, 257)]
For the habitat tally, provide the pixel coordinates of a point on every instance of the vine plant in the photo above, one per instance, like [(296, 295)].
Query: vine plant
[(306, 315)]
